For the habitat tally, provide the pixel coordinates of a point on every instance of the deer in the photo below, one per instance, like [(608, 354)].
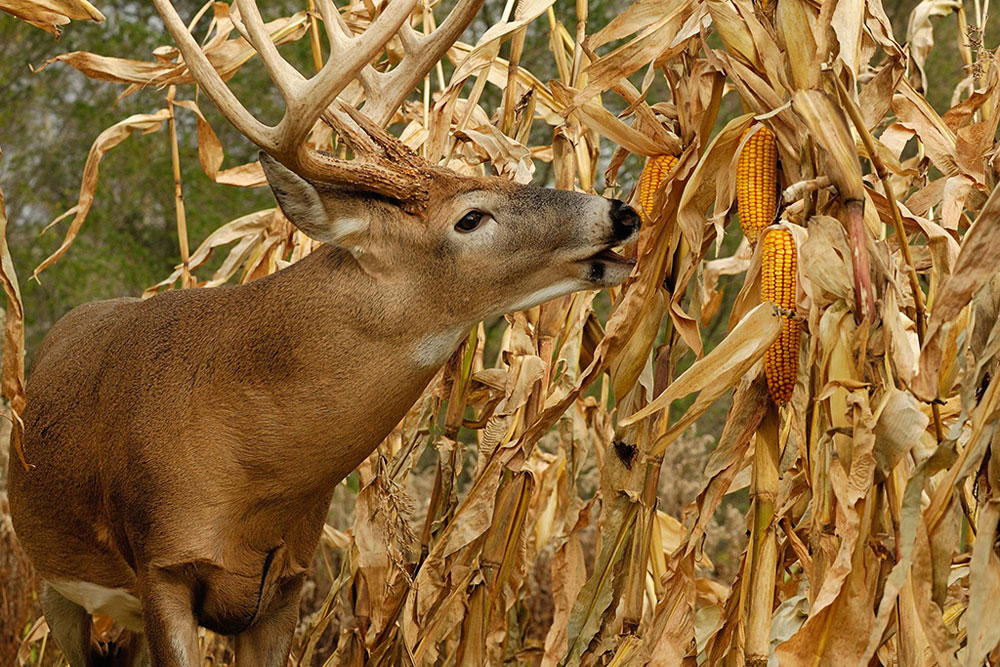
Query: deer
[(184, 448)]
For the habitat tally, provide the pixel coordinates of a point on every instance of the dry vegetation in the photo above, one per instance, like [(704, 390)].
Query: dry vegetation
[(548, 501)]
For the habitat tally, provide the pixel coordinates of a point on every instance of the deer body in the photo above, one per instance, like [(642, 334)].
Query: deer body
[(190, 443), (226, 430)]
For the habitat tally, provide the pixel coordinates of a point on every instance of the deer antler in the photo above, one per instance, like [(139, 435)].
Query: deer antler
[(385, 91), (307, 99)]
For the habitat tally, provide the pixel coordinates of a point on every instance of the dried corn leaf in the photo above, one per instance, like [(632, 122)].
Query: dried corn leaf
[(733, 30), (597, 594), (974, 267), (569, 574), (848, 587), (13, 339), (829, 127), (848, 24), (671, 635), (900, 426), (595, 116), (916, 114), (717, 371), (246, 229), (920, 31), (795, 21), (226, 55), (712, 184), (49, 15), (654, 41), (107, 140), (636, 17), (984, 587), (508, 157)]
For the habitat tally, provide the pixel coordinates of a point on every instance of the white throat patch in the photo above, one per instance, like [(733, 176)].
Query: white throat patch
[(560, 288), (434, 350)]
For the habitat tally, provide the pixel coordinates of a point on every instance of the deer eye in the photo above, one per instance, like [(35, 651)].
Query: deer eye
[(470, 221)]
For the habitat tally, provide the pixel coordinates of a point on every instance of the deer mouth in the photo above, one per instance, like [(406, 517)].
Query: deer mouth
[(612, 256), (608, 267)]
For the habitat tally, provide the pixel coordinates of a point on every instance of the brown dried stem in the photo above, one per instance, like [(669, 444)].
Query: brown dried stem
[(314, 43), (764, 552), (182, 234)]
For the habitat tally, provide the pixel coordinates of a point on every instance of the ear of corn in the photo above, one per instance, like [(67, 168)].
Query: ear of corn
[(778, 269), (757, 182), (657, 168)]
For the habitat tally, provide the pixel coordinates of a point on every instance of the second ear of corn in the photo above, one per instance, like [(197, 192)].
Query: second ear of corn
[(757, 182), (757, 202), (778, 275), (657, 168)]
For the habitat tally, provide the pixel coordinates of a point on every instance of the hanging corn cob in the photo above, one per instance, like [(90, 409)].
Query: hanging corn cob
[(778, 269), (757, 182), (657, 168)]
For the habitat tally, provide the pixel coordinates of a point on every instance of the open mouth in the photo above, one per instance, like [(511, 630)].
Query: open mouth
[(608, 267), (613, 256)]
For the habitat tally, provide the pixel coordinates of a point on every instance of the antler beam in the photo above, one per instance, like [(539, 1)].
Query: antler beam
[(305, 99)]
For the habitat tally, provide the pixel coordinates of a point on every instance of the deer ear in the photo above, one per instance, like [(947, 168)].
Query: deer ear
[(302, 203)]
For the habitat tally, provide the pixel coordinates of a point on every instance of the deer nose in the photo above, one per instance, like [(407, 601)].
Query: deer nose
[(624, 220)]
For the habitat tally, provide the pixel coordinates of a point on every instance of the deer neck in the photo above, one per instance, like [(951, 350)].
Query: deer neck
[(352, 355), (354, 312)]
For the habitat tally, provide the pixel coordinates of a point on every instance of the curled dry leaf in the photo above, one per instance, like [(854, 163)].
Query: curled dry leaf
[(49, 15), (984, 586), (226, 55), (901, 424), (920, 31), (917, 115), (975, 265), (508, 157), (107, 140), (245, 229), (654, 41)]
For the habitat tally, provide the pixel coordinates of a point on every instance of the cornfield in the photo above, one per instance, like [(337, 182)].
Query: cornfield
[(527, 510)]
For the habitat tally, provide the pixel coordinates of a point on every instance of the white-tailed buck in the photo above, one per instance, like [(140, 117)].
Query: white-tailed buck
[(185, 447)]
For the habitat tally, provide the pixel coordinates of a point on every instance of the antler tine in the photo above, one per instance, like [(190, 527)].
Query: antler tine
[(210, 81), (331, 20), (339, 70), (383, 98), (394, 149), (348, 130), (285, 77)]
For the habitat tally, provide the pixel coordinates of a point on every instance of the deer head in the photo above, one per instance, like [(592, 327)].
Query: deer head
[(460, 247), (479, 247)]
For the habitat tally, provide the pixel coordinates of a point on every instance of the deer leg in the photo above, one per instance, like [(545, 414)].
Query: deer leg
[(69, 624), (268, 641), (132, 652), (171, 628)]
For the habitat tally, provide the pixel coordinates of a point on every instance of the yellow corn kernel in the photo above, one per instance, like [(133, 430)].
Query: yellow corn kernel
[(757, 182), (657, 168), (778, 275)]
